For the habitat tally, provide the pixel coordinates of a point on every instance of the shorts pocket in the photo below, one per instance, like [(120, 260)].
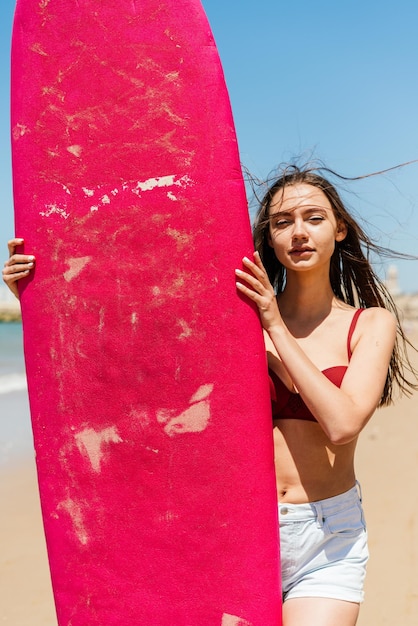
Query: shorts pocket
[(347, 522)]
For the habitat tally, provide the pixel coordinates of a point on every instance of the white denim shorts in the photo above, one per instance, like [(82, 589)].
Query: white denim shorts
[(323, 548)]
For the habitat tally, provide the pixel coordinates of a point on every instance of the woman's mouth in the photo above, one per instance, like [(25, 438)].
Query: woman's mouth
[(297, 252)]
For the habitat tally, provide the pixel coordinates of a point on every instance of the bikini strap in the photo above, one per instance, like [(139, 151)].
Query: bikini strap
[(352, 329)]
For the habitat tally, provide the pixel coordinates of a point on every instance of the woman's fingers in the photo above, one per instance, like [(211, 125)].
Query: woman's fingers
[(253, 288), (13, 243), (13, 273), (256, 276), (18, 262), (11, 276), (248, 278), (256, 267), (246, 290)]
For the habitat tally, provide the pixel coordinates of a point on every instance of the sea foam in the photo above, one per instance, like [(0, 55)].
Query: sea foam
[(12, 382)]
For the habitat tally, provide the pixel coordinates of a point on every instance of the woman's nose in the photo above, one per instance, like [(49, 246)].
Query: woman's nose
[(299, 229)]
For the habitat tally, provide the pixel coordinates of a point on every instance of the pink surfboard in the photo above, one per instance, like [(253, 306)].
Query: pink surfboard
[(146, 371)]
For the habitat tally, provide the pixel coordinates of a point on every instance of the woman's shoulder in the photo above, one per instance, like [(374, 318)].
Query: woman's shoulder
[(374, 324), (366, 316), (362, 318), (377, 314)]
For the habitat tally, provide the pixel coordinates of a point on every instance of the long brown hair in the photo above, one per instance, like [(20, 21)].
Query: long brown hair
[(352, 277)]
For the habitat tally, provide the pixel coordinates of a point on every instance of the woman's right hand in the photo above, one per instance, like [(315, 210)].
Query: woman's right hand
[(257, 287), (17, 266)]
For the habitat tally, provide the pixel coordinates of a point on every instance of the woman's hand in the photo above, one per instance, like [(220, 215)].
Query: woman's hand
[(18, 266), (258, 288)]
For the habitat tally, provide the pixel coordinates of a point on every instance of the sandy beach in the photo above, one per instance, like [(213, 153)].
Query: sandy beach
[(387, 464), (26, 595)]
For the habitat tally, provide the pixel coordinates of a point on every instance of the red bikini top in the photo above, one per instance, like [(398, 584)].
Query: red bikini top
[(286, 404)]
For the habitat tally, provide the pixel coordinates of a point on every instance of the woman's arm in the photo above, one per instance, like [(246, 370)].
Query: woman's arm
[(17, 266), (341, 412)]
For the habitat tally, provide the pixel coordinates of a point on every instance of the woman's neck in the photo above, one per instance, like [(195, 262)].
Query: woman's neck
[(306, 297)]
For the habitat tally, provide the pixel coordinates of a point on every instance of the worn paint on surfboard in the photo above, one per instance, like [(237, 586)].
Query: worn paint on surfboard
[(146, 371)]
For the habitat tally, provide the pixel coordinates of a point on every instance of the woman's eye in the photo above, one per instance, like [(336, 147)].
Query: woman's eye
[(316, 218), (282, 223)]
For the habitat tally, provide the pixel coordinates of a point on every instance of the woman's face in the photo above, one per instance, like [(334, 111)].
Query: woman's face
[(303, 228)]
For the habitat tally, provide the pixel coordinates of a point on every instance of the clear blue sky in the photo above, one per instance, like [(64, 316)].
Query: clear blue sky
[(336, 80)]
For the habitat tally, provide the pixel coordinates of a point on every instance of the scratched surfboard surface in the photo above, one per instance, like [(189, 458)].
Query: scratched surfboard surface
[(146, 371)]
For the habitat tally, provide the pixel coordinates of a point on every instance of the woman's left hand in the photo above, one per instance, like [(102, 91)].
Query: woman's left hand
[(17, 266), (258, 288)]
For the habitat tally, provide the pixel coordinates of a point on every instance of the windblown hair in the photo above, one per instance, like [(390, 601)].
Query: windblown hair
[(352, 277)]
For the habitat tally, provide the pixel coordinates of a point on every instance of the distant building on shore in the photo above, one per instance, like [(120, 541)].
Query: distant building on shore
[(392, 281), (406, 302)]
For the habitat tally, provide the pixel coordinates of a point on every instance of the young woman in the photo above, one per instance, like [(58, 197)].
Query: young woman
[(333, 358)]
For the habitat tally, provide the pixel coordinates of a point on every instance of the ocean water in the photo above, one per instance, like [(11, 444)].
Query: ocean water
[(15, 428), (12, 367)]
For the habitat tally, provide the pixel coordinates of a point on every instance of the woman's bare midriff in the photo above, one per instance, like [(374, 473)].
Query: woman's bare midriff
[(308, 467)]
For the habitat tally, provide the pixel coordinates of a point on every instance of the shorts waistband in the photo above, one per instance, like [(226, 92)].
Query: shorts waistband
[(320, 509)]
